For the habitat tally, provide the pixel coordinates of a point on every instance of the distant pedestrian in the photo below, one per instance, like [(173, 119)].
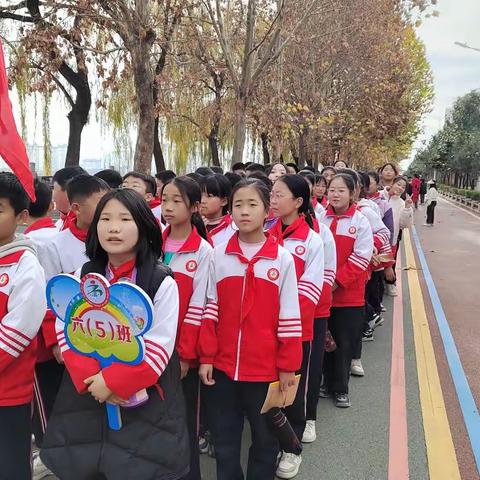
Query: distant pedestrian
[(423, 191), (416, 184), (431, 198)]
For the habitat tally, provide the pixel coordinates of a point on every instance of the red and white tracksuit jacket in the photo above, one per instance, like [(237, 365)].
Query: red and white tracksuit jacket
[(222, 232), (306, 247), (22, 308), (354, 241), (251, 327), (381, 234), (330, 269), (41, 231), (64, 253), (190, 267), (125, 380)]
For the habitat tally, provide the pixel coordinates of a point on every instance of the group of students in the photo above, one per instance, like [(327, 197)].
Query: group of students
[(256, 275)]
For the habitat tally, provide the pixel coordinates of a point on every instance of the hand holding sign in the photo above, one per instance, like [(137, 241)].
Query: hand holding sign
[(103, 321)]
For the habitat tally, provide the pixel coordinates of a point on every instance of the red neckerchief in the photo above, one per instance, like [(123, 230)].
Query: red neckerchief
[(76, 232), (331, 213), (67, 219), (125, 270), (299, 230), (224, 223), (191, 244), (269, 251), (374, 195), (271, 216), (45, 222), (324, 201), (314, 202), (154, 203)]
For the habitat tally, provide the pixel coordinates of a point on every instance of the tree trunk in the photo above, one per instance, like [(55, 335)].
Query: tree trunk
[(77, 119), (143, 79), (266, 153), (302, 150), (213, 144), (240, 128), (157, 148)]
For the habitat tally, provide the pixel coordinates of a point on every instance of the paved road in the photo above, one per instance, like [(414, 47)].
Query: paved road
[(356, 444)]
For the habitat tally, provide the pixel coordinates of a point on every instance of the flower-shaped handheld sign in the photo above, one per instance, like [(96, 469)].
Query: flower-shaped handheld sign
[(103, 321)]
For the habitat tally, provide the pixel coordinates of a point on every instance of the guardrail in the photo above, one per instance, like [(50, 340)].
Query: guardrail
[(473, 205)]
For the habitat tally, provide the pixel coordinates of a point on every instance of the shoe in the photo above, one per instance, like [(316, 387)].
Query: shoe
[(382, 306), (367, 335), (378, 320), (289, 465), (356, 368), (309, 434), (202, 445), (324, 393), (342, 400), (392, 290), (39, 469)]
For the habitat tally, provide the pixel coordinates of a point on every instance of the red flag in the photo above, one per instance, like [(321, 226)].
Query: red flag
[(12, 148)]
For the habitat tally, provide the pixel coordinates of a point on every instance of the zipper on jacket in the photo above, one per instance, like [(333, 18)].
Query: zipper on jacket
[(237, 365)]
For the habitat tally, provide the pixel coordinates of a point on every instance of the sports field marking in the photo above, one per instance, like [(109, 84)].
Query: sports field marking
[(469, 409), (442, 460)]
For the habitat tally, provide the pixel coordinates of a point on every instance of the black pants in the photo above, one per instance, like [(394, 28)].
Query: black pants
[(296, 413), (48, 378), (15, 442), (431, 213), (374, 291), (422, 198), (191, 391), (228, 402), (316, 366), (346, 325)]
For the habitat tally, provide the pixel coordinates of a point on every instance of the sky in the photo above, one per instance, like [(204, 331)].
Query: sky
[(456, 70)]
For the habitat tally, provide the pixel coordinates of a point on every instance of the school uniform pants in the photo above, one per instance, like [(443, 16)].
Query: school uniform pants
[(228, 402), (191, 391), (316, 366), (431, 213), (15, 442), (346, 325), (296, 413), (48, 378)]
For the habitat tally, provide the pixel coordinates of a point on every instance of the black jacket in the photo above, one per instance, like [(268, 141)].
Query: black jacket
[(153, 441)]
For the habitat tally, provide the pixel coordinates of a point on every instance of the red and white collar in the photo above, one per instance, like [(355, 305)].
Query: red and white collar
[(45, 222)]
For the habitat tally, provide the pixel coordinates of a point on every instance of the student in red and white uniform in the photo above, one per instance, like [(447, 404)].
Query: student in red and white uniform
[(251, 335), (22, 307), (146, 186), (60, 197), (124, 244), (354, 241), (290, 201), (187, 252), (216, 191), (48, 372), (320, 324), (320, 191)]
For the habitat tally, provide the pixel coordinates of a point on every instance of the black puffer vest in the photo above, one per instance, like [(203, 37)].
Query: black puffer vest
[(153, 441)]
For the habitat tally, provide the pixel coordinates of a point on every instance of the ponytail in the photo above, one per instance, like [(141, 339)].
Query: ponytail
[(199, 224)]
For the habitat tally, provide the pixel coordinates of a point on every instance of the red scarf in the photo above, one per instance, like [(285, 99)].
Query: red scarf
[(67, 219), (314, 202), (125, 270), (349, 213), (154, 203), (324, 201), (45, 222), (76, 232), (280, 236)]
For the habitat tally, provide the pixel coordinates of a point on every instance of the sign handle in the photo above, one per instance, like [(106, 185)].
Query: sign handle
[(113, 411)]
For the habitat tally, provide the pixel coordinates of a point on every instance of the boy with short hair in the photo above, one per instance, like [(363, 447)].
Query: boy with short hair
[(146, 186), (60, 198), (22, 307), (163, 178), (40, 226)]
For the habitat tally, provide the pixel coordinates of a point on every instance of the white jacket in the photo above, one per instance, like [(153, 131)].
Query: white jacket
[(432, 195), (402, 216)]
